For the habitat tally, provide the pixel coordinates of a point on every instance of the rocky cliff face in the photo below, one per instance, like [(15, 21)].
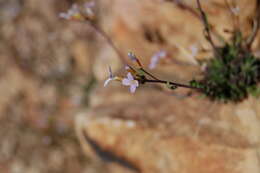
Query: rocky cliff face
[(159, 131), (155, 132)]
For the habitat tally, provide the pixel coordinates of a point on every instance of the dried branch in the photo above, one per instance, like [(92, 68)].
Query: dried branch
[(171, 83), (109, 41), (206, 26), (234, 16), (183, 6), (256, 26)]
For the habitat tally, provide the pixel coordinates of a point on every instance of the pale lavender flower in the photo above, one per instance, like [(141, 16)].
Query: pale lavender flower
[(192, 53), (132, 56), (110, 78), (84, 12), (156, 58), (88, 8), (235, 10), (194, 50), (72, 12), (131, 82), (127, 67)]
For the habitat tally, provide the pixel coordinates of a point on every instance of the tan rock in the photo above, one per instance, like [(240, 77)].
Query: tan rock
[(168, 134)]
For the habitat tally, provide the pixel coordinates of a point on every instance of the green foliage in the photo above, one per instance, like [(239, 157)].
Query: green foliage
[(232, 75)]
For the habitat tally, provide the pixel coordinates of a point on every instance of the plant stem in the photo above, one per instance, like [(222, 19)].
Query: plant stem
[(256, 26), (183, 6), (236, 24), (172, 83), (149, 74), (206, 26), (109, 41)]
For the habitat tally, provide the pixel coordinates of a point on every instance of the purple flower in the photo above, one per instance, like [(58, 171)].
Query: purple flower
[(156, 57), (110, 78), (88, 9), (73, 12), (130, 81), (80, 13), (192, 53), (235, 10), (132, 56), (194, 50)]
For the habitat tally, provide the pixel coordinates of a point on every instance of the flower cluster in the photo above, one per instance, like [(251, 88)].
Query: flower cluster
[(81, 13), (127, 81), (138, 75), (156, 58), (231, 75)]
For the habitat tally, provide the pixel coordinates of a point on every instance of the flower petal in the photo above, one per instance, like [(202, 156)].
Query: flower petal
[(162, 54), (107, 81), (110, 72), (136, 83), (132, 88), (153, 63), (132, 56), (156, 57), (90, 4), (194, 50), (64, 15), (129, 76), (126, 82)]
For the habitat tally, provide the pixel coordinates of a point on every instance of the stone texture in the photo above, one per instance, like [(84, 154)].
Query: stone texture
[(169, 134), (44, 64)]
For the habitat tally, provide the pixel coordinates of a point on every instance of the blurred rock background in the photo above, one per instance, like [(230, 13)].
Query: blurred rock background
[(45, 78), (52, 72)]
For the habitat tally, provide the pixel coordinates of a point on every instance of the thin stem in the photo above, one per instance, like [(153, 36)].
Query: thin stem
[(185, 7), (206, 26), (172, 83), (109, 41), (149, 74), (233, 15), (256, 26)]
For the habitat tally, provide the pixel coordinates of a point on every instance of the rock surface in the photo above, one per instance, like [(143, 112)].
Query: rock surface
[(169, 134), (44, 65)]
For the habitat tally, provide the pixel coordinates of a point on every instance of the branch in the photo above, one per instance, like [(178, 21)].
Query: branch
[(206, 26), (256, 26), (184, 7), (149, 74), (172, 83), (233, 15), (109, 41)]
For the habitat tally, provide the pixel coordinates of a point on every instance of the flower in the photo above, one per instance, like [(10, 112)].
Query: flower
[(110, 78), (132, 56), (235, 10), (130, 81), (72, 13), (156, 57), (80, 13), (192, 53), (88, 10), (194, 50)]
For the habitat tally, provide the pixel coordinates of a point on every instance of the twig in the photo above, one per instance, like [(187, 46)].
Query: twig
[(236, 19), (206, 26), (172, 83), (149, 74), (185, 7), (109, 41), (256, 26)]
